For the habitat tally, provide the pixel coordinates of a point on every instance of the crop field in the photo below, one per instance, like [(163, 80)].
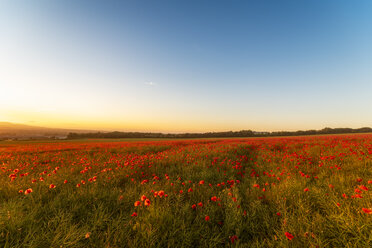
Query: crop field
[(260, 192)]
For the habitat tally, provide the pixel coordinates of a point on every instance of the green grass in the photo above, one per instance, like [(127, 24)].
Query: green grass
[(99, 213)]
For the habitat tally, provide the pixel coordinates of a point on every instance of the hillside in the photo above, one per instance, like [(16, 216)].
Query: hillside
[(21, 131)]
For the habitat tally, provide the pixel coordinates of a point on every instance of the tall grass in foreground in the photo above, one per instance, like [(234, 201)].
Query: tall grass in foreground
[(288, 192)]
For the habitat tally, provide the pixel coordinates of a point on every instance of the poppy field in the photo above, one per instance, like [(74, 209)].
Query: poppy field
[(310, 191)]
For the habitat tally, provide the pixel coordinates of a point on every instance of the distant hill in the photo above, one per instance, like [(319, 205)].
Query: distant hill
[(20, 131)]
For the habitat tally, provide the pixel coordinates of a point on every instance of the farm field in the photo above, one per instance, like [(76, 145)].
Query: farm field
[(310, 191)]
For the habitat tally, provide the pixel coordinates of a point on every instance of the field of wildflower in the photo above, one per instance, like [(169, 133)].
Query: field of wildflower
[(260, 192)]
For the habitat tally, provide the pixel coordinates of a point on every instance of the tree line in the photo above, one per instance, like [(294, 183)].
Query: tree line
[(228, 134)]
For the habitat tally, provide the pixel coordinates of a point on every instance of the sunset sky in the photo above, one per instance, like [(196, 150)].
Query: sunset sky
[(186, 66)]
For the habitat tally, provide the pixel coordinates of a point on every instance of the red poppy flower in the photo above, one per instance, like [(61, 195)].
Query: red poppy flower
[(52, 186), (357, 196), (28, 191), (363, 187), (367, 210), (233, 239), (289, 236), (207, 218)]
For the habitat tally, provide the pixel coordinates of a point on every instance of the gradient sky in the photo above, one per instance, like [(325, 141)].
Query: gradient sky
[(180, 66)]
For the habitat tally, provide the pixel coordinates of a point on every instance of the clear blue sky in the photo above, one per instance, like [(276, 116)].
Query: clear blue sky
[(176, 66)]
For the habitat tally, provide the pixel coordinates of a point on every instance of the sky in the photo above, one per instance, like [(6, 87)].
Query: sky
[(186, 66)]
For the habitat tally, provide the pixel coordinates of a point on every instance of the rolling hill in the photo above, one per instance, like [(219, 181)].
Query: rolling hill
[(21, 131)]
